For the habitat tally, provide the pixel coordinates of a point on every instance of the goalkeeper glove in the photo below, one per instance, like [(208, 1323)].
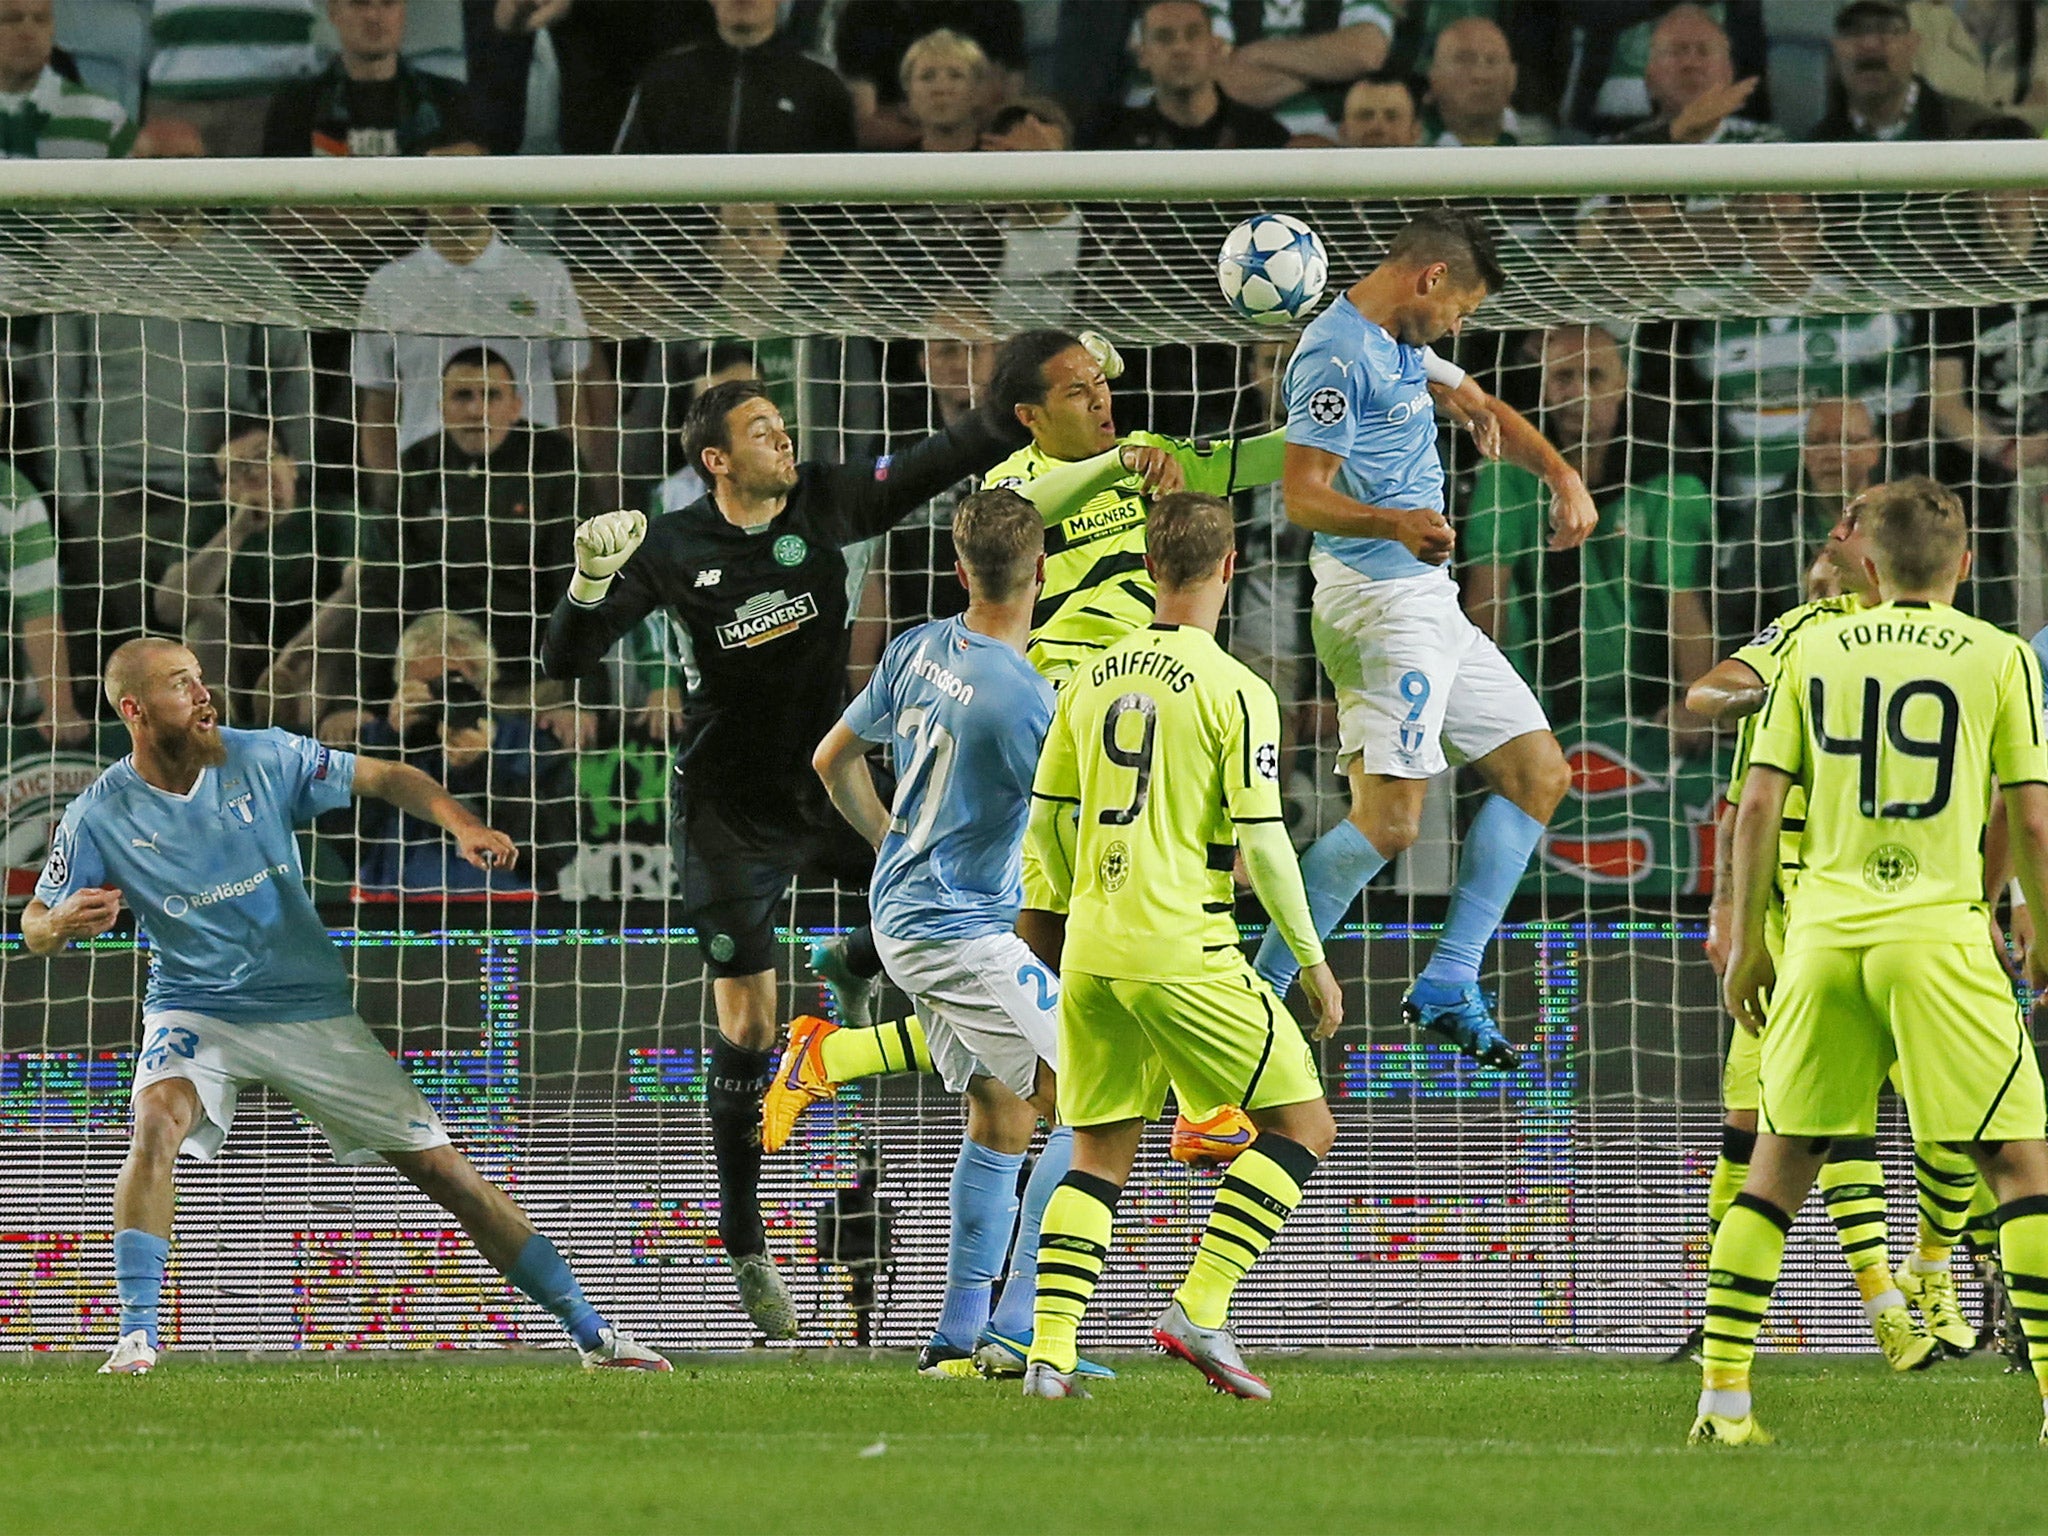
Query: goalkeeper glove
[(603, 544), (1104, 351)]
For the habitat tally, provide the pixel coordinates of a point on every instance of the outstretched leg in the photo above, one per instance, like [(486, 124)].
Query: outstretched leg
[(820, 1055), (512, 1245)]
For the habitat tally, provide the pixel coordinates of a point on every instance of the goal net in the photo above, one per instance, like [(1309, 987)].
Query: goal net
[(229, 418)]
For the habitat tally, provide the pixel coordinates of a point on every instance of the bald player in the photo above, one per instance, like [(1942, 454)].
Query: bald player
[(194, 832)]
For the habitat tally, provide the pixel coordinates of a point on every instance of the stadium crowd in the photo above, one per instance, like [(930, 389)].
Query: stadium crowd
[(362, 533)]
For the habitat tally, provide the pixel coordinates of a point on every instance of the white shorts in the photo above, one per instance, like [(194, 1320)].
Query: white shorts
[(989, 1006), (337, 1074), (1415, 679)]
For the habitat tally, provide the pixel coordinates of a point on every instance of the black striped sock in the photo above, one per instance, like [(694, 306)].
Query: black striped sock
[(1260, 1190), (1073, 1245), (2023, 1251), (1946, 1180)]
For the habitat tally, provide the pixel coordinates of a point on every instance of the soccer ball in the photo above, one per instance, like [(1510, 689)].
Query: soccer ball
[(1272, 269)]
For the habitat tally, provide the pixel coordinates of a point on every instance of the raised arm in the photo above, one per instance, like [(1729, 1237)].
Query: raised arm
[(418, 795), (608, 595), (872, 496)]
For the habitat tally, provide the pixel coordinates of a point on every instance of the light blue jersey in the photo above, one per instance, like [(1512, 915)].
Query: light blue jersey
[(1356, 392), (969, 714), (2040, 645), (214, 879)]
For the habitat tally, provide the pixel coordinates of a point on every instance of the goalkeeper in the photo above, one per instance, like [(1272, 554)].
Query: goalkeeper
[(754, 572), (1093, 490)]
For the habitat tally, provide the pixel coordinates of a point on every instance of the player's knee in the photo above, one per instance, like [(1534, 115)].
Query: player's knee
[(1390, 829), (155, 1140), (1309, 1124), (997, 1118), (162, 1122), (443, 1175), (1316, 1128), (1540, 779)]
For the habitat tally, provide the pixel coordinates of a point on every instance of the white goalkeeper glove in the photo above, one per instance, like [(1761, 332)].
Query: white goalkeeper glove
[(603, 544), (1104, 351)]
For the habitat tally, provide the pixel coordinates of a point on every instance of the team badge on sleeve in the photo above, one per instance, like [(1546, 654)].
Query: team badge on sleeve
[(1326, 406)]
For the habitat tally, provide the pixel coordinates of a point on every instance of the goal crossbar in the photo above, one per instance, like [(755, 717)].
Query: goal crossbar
[(1555, 170)]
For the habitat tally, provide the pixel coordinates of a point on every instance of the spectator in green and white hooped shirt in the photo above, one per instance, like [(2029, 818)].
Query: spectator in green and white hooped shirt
[(1746, 383), (1294, 58), (38, 651), (215, 64), (43, 116)]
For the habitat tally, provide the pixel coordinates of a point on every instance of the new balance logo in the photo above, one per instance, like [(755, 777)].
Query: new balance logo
[(764, 618), (709, 578)]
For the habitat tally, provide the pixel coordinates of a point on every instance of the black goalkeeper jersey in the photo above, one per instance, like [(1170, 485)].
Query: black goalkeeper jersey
[(765, 609)]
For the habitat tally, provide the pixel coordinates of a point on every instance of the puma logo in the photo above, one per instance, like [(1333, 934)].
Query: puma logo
[(148, 842)]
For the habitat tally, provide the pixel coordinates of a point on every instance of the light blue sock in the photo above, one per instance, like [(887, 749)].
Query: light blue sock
[(984, 1207), (1334, 870), (1496, 853), (543, 1274), (1020, 1292), (139, 1260)]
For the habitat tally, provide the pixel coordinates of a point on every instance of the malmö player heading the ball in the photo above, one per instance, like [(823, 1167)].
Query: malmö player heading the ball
[(1413, 675)]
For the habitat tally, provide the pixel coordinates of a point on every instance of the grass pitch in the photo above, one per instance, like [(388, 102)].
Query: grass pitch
[(761, 1443)]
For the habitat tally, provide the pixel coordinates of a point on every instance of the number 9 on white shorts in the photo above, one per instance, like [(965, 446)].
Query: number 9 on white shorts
[(1419, 686)]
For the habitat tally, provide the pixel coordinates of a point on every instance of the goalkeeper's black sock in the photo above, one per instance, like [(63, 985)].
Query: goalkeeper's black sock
[(862, 958), (732, 1100)]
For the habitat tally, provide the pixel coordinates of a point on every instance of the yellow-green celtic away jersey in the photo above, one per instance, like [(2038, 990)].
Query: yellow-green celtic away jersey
[(1896, 721), (1166, 743), (1096, 590), (1765, 656)]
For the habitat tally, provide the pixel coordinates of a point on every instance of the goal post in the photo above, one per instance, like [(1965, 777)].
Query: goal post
[(219, 375)]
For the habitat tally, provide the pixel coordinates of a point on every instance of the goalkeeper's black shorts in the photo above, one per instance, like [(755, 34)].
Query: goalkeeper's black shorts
[(735, 882)]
